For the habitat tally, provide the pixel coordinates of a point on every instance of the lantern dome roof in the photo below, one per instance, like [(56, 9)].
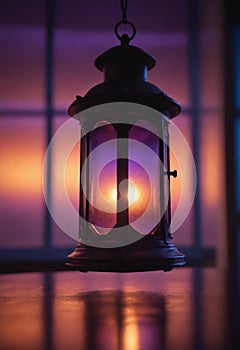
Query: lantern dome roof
[(125, 70)]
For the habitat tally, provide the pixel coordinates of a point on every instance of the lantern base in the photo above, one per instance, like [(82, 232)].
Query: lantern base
[(144, 255)]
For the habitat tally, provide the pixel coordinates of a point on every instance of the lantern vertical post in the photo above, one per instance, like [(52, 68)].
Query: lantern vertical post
[(122, 176)]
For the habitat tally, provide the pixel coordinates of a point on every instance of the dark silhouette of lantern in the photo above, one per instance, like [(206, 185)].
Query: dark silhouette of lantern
[(125, 207)]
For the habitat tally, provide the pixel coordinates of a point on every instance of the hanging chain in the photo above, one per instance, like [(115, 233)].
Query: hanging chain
[(125, 38), (124, 10)]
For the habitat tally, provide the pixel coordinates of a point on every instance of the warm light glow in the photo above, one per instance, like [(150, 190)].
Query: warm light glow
[(113, 195), (211, 160), (131, 333), (21, 154), (176, 183), (133, 194), (104, 196)]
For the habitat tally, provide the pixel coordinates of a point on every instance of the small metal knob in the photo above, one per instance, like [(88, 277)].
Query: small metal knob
[(172, 173)]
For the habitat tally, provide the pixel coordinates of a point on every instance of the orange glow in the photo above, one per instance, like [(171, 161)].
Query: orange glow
[(23, 304), (138, 197), (133, 194), (131, 333), (138, 191), (21, 153), (183, 123), (211, 160)]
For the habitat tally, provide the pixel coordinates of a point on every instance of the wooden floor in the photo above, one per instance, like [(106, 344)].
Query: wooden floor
[(185, 309)]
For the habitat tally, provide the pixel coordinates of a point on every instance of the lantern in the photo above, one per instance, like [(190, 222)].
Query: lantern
[(125, 206)]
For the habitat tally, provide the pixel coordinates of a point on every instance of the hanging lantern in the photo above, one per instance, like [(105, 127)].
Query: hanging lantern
[(125, 206)]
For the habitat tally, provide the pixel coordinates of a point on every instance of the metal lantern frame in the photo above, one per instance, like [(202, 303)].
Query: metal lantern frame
[(125, 70)]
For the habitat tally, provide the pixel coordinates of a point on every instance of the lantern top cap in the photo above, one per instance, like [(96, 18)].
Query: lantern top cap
[(127, 53), (125, 80)]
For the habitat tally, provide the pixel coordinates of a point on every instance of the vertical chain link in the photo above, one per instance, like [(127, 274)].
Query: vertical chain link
[(124, 10), (125, 38)]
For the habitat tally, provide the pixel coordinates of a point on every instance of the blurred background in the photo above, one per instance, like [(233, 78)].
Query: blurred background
[(47, 50)]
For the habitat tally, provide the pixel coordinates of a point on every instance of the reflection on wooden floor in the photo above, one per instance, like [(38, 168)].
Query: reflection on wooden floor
[(182, 309)]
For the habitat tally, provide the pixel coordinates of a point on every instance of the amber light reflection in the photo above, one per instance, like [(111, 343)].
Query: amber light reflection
[(131, 333)]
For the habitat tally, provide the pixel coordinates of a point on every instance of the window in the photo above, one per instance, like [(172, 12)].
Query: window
[(47, 58)]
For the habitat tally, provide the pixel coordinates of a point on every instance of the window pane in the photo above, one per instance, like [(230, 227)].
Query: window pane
[(171, 74), (75, 74), (211, 178), (211, 58), (21, 156), (22, 56)]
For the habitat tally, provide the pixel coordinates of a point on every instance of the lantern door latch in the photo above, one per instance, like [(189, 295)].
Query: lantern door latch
[(172, 173)]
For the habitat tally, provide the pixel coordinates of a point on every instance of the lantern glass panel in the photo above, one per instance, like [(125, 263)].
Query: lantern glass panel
[(148, 159), (102, 178), (144, 173)]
